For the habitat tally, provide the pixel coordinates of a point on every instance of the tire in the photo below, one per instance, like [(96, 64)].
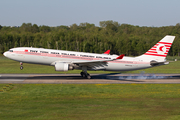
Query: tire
[(21, 67), (88, 76), (83, 74)]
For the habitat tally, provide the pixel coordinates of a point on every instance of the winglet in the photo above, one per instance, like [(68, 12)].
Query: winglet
[(107, 52), (120, 57)]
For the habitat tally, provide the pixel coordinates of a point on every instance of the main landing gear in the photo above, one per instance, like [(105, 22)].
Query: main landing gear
[(21, 65), (84, 73)]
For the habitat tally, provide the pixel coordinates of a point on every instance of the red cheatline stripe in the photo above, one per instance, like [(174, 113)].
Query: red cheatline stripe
[(155, 55), (152, 49), (168, 45), (154, 52), (55, 55), (151, 52), (165, 43)]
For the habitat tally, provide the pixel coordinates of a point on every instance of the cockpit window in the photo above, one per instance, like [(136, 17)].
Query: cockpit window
[(10, 50)]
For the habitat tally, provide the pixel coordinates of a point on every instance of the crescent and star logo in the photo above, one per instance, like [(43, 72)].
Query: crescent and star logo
[(161, 49)]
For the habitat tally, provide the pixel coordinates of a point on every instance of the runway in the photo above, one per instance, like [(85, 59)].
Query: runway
[(113, 78)]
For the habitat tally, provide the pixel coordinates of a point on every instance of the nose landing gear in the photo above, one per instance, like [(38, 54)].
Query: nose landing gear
[(21, 65)]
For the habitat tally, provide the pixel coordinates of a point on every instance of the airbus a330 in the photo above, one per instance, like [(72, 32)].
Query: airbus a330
[(69, 60)]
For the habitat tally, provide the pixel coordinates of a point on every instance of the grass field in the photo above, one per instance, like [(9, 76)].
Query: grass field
[(90, 101), (10, 66)]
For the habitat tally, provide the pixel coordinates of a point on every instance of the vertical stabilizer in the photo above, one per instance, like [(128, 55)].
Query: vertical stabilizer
[(159, 51)]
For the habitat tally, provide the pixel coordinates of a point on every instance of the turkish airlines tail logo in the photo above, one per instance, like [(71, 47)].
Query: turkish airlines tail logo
[(160, 49)]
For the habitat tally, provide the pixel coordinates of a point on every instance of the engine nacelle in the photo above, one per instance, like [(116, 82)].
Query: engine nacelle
[(63, 66)]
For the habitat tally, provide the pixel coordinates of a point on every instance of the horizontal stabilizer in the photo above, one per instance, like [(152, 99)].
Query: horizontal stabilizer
[(155, 63)]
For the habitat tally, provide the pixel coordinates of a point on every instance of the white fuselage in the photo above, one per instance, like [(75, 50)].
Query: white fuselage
[(50, 56)]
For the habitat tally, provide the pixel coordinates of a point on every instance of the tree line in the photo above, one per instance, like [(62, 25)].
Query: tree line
[(85, 37)]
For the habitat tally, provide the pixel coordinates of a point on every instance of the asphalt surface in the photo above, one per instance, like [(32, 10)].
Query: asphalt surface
[(115, 78)]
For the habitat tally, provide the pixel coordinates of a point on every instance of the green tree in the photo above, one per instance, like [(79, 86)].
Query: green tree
[(0, 27), (34, 28), (105, 23), (26, 27), (45, 28), (120, 39)]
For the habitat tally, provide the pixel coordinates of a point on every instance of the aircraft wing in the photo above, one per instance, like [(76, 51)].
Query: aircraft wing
[(98, 61), (93, 61), (93, 64), (96, 64)]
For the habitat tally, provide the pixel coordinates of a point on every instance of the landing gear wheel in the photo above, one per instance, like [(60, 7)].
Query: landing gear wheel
[(88, 76), (21, 67), (83, 74)]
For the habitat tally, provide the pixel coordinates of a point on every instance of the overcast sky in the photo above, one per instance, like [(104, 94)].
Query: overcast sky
[(67, 12)]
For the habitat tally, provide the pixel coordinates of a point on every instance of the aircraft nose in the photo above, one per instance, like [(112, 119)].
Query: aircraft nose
[(5, 54)]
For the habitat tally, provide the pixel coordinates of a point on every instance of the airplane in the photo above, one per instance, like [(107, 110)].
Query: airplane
[(69, 60)]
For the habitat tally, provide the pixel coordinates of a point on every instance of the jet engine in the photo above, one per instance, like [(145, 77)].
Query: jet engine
[(59, 66)]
